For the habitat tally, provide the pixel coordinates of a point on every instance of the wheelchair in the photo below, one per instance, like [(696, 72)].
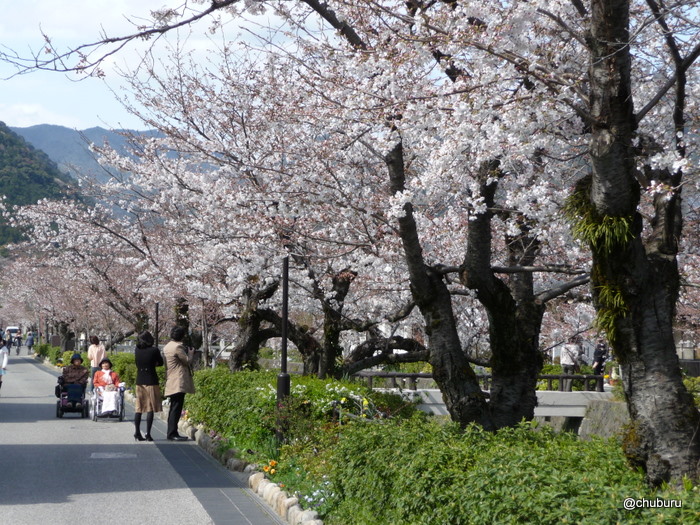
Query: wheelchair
[(71, 398), (100, 409)]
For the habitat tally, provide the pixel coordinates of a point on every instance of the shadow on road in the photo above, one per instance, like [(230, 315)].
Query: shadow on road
[(55, 473)]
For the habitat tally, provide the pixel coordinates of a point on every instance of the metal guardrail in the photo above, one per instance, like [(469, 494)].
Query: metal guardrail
[(591, 383)]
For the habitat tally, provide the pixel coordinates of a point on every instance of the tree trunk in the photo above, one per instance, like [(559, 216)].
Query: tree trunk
[(182, 318), (244, 354), (514, 317), (458, 383), (635, 286), (331, 350), (515, 335), (308, 346), (67, 336)]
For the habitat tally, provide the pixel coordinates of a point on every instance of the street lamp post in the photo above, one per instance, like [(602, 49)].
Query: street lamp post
[(283, 380)]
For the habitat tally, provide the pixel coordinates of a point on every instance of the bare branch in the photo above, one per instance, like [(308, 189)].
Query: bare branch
[(91, 55)]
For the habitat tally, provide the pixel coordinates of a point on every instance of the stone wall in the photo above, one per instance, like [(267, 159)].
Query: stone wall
[(604, 418)]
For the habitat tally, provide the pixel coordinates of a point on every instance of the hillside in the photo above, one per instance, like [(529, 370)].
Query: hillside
[(70, 149), (27, 175)]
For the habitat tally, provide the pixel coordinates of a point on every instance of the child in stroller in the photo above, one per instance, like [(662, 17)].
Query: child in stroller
[(108, 392), (71, 388)]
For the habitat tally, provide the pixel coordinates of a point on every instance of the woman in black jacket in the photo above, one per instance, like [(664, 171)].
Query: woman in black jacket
[(148, 398)]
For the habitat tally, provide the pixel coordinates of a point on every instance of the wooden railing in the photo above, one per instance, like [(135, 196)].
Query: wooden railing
[(591, 383)]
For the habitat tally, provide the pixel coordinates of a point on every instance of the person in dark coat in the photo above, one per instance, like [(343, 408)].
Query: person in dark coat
[(600, 355), (148, 398), (29, 343), (74, 374)]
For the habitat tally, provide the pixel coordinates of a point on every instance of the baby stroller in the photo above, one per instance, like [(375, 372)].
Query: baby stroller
[(71, 398), (108, 408)]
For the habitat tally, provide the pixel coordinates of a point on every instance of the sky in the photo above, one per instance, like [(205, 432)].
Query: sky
[(64, 99)]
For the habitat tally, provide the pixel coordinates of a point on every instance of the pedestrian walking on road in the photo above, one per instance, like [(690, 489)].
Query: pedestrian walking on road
[(148, 397), (29, 343), (4, 356), (96, 353), (178, 379), (18, 342)]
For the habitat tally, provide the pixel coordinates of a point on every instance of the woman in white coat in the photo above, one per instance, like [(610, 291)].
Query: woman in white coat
[(4, 356)]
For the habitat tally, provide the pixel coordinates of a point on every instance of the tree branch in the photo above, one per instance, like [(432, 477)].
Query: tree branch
[(555, 292)]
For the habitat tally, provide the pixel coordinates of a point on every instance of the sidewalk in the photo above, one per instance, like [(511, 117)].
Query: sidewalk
[(73, 470)]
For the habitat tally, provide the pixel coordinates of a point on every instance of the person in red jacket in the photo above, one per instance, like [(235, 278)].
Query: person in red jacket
[(106, 376), (106, 382)]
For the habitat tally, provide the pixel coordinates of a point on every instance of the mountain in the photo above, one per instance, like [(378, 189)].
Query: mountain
[(70, 148), (27, 175)]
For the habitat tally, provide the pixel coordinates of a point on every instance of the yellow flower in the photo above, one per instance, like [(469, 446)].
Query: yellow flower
[(343, 400), (273, 463), (266, 468), (272, 471), (365, 402)]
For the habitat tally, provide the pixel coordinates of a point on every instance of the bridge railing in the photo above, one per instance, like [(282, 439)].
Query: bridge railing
[(409, 380)]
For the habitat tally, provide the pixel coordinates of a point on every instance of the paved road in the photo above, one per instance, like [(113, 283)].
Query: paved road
[(74, 470)]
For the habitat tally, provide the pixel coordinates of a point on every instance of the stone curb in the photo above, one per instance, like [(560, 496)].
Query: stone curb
[(286, 506)]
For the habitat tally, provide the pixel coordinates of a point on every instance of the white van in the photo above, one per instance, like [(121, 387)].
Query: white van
[(12, 331)]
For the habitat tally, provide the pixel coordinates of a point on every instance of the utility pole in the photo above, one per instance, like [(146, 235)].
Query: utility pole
[(283, 380)]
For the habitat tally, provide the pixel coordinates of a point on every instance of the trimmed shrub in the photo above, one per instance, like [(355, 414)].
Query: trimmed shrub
[(42, 349), (124, 365), (419, 472), (54, 354), (67, 355), (241, 407)]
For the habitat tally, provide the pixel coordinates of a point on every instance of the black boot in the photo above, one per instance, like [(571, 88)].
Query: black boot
[(137, 424), (149, 425)]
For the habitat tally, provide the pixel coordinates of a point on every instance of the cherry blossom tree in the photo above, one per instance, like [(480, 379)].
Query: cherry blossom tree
[(443, 139)]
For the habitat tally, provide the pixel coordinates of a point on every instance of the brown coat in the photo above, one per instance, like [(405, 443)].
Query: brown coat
[(75, 375), (177, 370)]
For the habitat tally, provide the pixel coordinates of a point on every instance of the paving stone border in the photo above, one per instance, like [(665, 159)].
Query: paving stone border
[(286, 506)]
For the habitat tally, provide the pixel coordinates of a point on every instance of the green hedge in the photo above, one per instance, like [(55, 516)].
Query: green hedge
[(66, 356), (241, 407), (42, 349), (55, 355), (353, 465), (124, 364), (419, 472)]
